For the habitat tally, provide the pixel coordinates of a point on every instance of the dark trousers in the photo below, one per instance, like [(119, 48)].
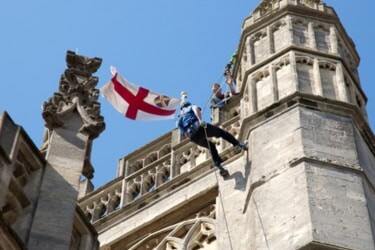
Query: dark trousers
[(201, 136)]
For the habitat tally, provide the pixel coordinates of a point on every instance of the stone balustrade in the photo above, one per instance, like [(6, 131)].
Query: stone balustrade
[(103, 201), (146, 178), (143, 172)]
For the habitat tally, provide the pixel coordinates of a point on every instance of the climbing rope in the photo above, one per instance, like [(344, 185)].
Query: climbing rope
[(226, 71), (261, 223), (220, 195), (209, 148)]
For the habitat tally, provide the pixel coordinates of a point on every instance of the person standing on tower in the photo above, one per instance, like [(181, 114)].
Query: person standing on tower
[(219, 99), (192, 126)]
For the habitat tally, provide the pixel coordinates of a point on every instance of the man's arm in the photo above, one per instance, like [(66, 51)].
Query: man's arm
[(198, 113), (230, 82)]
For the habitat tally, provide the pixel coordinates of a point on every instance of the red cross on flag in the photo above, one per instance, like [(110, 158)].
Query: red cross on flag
[(138, 103)]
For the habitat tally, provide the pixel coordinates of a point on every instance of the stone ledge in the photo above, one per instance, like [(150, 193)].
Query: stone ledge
[(321, 246), (325, 161)]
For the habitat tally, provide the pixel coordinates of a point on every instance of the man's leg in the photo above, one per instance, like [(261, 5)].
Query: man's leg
[(200, 138), (218, 132)]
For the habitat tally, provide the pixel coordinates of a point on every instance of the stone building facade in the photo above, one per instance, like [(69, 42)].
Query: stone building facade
[(306, 182)]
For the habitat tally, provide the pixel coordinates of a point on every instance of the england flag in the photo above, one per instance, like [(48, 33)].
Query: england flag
[(138, 103)]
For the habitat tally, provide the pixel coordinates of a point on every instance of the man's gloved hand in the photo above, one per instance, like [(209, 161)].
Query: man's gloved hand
[(203, 124)]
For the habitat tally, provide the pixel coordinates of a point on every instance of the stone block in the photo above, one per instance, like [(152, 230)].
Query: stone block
[(278, 216), (274, 144), (328, 137), (338, 207)]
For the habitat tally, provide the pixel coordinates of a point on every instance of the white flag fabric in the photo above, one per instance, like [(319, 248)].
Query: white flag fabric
[(138, 103)]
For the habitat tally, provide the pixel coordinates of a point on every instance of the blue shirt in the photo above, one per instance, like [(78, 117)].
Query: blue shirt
[(187, 119)]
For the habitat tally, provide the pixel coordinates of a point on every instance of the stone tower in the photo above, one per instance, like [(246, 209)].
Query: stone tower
[(307, 181), (311, 181)]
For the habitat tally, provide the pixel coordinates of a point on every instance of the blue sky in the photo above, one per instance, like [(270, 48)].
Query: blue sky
[(164, 45)]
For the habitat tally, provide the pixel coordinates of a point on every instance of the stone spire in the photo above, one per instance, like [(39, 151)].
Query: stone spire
[(73, 120), (77, 95)]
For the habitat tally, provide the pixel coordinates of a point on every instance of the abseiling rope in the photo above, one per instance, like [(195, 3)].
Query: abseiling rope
[(217, 180), (220, 196)]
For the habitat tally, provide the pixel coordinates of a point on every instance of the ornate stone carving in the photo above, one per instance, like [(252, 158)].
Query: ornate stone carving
[(76, 93), (199, 233), (266, 6), (310, 3)]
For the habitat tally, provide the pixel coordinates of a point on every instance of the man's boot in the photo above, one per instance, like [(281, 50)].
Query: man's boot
[(242, 146), (223, 172)]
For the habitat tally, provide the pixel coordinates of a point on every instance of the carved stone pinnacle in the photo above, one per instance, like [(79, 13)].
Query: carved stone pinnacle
[(77, 92)]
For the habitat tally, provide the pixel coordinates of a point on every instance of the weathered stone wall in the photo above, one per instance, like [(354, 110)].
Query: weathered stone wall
[(304, 186), (338, 206), (21, 171)]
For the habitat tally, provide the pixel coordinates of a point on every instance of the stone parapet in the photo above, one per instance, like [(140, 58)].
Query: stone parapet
[(103, 201), (269, 7), (153, 172)]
